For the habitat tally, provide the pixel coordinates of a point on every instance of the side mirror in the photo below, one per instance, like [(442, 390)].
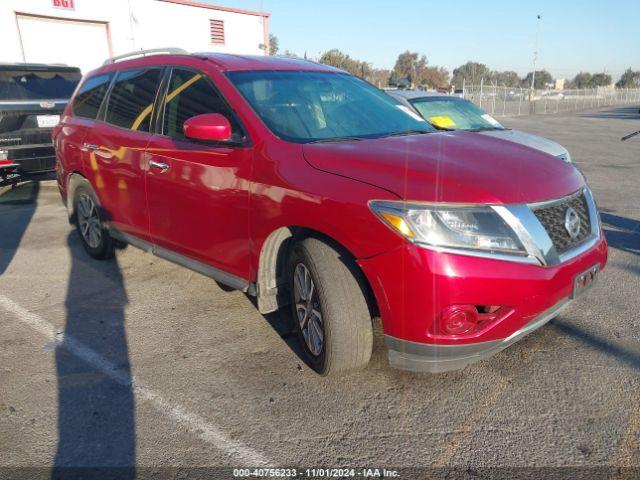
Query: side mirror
[(209, 126)]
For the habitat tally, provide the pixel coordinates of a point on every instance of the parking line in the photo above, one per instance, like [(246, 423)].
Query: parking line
[(193, 422)]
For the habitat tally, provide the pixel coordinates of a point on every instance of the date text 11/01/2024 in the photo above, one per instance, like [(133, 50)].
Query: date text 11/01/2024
[(315, 473)]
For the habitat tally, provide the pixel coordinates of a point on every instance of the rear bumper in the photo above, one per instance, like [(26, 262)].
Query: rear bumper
[(422, 357), (32, 159)]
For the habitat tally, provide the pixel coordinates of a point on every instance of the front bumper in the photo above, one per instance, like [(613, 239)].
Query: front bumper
[(414, 285), (33, 159), (421, 357)]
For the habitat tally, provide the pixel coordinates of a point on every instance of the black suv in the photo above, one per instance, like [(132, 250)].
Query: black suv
[(32, 98)]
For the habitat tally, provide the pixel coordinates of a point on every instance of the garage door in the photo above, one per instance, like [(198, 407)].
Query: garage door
[(78, 44)]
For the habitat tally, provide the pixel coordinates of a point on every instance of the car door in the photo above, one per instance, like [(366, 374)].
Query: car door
[(197, 192), (115, 148)]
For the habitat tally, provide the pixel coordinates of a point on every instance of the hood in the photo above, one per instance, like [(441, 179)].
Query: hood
[(456, 167), (533, 141)]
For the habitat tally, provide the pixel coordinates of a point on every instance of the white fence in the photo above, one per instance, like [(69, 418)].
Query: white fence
[(506, 101)]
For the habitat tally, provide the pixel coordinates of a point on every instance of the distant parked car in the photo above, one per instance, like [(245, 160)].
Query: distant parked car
[(447, 112), (32, 97)]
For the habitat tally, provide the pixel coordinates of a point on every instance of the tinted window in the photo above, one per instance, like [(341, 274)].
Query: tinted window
[(131, 100), (304, 106), (89, 98), (191, 93), (26, 85)]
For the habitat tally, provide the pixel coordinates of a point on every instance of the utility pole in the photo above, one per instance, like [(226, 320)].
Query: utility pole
[(535, 58)]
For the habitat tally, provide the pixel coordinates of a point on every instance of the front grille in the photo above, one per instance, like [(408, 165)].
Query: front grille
[(552, 217)]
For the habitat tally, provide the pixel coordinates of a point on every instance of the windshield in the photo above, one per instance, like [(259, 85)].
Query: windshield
[(455, 114), (304, 106), (26, 85)]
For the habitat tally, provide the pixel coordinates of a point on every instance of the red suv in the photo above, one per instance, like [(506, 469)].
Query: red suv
[(302, 185)]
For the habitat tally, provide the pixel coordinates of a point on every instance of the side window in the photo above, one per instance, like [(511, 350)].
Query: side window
[(191, 93), (131, 100), (89, 98)]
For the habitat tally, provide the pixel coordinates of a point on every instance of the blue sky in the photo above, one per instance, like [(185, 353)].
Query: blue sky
[(575, 35)]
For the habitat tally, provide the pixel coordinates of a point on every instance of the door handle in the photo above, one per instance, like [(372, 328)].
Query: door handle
[(89, 146), (162, 166)]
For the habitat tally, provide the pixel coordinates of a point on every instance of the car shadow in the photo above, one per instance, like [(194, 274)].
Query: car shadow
[(282, 323), (620, 353), (621, 113), (17, 207), (621, 233), (96, 408)]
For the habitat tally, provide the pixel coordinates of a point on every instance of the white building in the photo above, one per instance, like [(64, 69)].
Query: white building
[(84, 33)]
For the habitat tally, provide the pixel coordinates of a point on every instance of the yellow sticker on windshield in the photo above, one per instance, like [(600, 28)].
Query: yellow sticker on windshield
[(442, 122)]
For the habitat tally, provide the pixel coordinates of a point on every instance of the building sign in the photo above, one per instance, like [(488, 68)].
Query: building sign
[(65, 4)]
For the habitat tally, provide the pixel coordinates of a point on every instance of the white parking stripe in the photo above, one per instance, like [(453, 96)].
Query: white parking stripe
[(196, 424)]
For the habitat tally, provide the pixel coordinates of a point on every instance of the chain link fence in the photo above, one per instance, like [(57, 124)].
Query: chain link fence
[(508, 101)]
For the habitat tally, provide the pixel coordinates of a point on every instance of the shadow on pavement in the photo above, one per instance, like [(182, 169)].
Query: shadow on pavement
[(621, 232), (622, 113), (96, 419), (17, 207), (625, 355)]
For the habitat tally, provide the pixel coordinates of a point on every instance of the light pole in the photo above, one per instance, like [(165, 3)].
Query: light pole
[(535, 58)]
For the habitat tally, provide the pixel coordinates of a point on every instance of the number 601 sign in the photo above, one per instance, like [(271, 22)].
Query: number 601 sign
[(66, 4)]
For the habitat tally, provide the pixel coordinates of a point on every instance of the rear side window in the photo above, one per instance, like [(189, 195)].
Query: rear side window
[(191, 93), (89, 98), (131, 100)]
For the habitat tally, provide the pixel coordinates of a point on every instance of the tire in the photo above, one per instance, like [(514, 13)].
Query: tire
[(338, 296), (98, 243)]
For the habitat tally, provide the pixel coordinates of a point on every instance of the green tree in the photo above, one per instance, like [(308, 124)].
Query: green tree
[(471, 73), (629, 79), (600, 80), (341, 60), (581, 80), (507, 78), (543, 78), (274, 45)]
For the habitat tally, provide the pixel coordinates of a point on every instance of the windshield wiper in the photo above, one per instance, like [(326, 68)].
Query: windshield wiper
[(335, 139), (406, 132)]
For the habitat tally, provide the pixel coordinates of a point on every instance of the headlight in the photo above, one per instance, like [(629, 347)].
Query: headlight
[(463, 228)]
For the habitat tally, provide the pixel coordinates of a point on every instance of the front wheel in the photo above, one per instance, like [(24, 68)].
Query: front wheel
[(329, 308)]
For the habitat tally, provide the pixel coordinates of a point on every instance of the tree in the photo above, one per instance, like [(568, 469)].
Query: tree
[(507, 78), (379, 77), (471, 73), (290, 54), (435, 77), (273, 44), (629, 79), (341, 60), (410, 65), (543, 78), (581, 80), (600, 80), (415, 68)]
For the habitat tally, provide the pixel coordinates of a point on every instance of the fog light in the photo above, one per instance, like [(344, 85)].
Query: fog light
[(459, 319)]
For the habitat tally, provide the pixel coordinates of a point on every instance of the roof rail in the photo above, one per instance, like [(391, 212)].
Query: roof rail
[(144, 53)]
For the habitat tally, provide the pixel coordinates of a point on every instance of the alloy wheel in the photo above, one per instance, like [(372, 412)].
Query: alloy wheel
[(89, 221), (308, 309)]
